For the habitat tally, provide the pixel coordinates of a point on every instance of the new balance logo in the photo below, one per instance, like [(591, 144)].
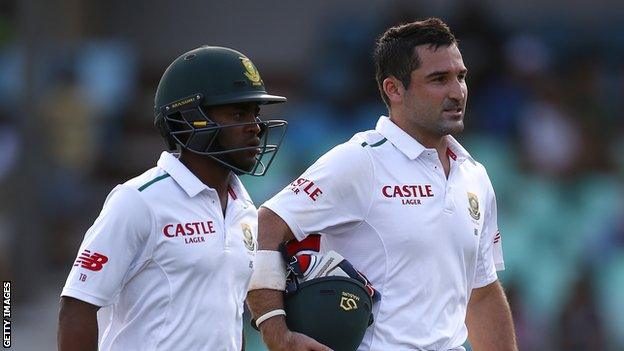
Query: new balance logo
[(93, 262)]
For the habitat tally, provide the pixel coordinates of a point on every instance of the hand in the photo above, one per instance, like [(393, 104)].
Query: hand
[(293, 341), (277, 337)]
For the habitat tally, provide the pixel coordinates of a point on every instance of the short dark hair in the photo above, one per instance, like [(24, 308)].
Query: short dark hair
[(395, 54)]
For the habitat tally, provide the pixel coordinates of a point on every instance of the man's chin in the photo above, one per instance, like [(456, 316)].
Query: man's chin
[(246, 166), (454, 128)]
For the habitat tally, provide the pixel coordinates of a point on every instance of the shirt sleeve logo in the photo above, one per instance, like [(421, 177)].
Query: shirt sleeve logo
[(497, 237), (308, 187), (473, 202), (91, 261)]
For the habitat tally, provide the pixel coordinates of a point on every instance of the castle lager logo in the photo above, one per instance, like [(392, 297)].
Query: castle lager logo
[(409, 194), (192, 232)]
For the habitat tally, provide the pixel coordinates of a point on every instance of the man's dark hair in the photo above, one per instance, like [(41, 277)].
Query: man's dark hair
[(395, 54)]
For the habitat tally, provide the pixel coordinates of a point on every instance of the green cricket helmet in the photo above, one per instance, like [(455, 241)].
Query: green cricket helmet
[(326, 298), (212, 76), (333, 310)]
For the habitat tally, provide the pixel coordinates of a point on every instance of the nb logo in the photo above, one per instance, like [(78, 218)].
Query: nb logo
[(93, 262), (348, 303)]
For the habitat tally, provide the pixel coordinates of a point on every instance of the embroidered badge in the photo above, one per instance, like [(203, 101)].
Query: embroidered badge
[(473, 202), (248, 237)]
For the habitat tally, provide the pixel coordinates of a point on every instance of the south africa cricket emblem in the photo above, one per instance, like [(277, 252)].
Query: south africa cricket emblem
[(248, 237), (473, 202), (251, 72)]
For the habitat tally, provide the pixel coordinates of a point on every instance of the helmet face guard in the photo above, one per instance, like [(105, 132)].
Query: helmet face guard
[(185, 123)]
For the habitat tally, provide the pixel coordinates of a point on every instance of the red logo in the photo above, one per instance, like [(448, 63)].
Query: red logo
[(451, 154), (308, 187), (409, 194), (191, 228), (407, 191), (92, 262), (497, 237), (193, 232)]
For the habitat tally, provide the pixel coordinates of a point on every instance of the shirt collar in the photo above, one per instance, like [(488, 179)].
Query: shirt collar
[(410, 146), (399, 138), (455, 150), (237, 189), (182, 175), (191, 184)]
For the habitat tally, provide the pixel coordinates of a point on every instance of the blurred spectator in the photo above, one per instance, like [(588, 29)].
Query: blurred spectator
[(580, 326), (551, 140)]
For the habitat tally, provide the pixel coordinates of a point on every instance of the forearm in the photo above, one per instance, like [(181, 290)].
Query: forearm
[(489, 322), (78, 329), (263, 301), (272, 231)]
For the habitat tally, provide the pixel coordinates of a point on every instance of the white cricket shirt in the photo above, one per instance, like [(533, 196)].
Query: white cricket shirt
[(382, 201), (173, 270)]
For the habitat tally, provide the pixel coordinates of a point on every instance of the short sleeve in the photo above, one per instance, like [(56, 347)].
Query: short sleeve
[(110, 248), (490, 258), (330, 197)]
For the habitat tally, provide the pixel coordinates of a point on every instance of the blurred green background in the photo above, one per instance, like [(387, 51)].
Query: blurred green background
[(546, 80)]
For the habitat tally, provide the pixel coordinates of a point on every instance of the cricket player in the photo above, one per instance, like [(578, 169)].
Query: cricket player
[(171, 254), (407, 205)]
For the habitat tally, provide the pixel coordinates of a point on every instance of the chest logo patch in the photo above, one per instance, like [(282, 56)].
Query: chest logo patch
[(473, 209), (409, 194), (248, 237)]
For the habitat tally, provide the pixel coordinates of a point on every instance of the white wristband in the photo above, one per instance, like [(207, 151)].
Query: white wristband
[(269, 271), (268, 315)]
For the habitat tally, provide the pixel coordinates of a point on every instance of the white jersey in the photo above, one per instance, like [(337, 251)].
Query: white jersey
[(173, 270), (382, 201)]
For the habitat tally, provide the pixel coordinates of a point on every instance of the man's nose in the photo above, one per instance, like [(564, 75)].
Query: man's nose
[(458, 91), (254, 128)]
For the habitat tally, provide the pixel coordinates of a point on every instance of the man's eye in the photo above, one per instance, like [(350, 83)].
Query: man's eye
[(439, 79)]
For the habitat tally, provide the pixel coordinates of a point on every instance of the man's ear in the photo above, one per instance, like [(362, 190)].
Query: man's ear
[(394, 89)]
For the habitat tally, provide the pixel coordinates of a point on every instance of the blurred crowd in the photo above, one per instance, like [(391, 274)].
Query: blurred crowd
[(542, 116)]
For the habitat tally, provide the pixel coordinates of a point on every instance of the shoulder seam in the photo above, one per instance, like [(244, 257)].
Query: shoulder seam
[(146, 185)]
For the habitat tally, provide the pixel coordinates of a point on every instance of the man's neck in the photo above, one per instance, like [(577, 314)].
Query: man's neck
[(209, 172), (428, 140)]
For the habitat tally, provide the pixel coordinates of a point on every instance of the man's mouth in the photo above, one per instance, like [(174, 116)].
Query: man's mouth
[(455, 111), (254, 147)]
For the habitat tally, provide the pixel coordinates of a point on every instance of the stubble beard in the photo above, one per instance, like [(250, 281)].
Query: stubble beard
[(439, 126), (455, 129), (239, 160)]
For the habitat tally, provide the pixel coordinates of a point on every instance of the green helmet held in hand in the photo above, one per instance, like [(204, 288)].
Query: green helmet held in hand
[(211, 76), (326, 298), (333, 310)]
